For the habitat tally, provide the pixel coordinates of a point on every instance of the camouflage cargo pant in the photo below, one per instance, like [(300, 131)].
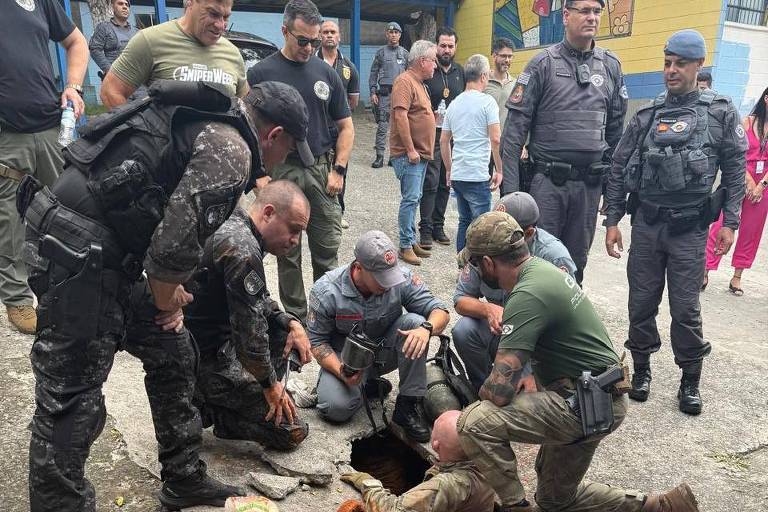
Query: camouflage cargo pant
[(71, 363), (231, 400), (486, 431)]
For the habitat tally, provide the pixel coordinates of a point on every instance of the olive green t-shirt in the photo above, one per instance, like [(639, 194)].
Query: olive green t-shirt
[(549, 315), (166, 52)]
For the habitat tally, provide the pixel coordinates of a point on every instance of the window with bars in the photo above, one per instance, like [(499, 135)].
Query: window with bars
[(750, 12)]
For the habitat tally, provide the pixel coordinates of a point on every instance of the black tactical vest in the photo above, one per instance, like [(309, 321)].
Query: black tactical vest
[(675, 153), (135, 155)]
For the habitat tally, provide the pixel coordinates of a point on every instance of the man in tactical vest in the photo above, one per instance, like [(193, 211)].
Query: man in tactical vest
[(388, 63), (667, 160), (143, 188), (476, 335), (245, 339), (571, 101)]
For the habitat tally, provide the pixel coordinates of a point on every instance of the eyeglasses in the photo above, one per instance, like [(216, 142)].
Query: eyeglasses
[(586, 11), (304, 41)]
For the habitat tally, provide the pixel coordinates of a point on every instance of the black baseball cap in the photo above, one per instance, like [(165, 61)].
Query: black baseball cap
[(283, 105)]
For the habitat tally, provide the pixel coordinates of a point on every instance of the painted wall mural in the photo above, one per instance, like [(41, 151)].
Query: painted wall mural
[(532, 23)]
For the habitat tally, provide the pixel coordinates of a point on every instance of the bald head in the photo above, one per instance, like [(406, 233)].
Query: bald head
[(445, 438), (280, 214), (282, 195), (329, 34)]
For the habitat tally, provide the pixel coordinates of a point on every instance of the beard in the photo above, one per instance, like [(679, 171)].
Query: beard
[(445, 60), (492, 282)]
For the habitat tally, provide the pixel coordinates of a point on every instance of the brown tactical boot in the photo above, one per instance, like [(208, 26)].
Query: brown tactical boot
[(22, 318), (679, 499), (421, 253), (408, 256)]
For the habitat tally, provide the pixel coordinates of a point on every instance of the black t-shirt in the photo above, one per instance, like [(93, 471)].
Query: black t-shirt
[(29, 100), (319, 85), (346, 70), (453, 80)]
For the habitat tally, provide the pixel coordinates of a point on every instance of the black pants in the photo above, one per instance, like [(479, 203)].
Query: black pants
[(435, 194), (83, 319), (231, 400)]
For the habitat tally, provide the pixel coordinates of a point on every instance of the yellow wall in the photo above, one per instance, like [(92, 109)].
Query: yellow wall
[(653, 22)]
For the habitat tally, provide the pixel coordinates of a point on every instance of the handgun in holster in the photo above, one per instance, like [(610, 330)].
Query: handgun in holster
[(593, 400)]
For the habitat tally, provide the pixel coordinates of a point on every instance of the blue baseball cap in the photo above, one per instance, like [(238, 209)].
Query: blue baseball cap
[(688, 44), (393, 25)]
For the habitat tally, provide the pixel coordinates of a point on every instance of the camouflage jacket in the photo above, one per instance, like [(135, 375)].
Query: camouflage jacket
[(231, 297), (456, 487)]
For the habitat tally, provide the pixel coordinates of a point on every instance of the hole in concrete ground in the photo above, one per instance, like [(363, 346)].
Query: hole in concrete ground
[(390, 460)]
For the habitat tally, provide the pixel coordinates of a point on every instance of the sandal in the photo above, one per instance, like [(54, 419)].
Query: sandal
[(736, 291)]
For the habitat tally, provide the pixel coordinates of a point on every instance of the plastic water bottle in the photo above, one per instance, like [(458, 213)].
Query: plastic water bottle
[(67, 129), (441, 108)]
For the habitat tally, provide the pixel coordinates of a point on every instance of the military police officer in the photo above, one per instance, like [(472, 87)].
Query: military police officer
[(668, 160), (453, 484), (389, 61), (243, 336), (476, 334), (571, 101), (136, 196), (371, 293), (547, 317)]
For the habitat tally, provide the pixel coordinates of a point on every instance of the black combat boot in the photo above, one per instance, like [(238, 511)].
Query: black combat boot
[(409, 417), (688, 395), (425, 241), (196, 489), (379, 162), (440, 237), (641, 382)]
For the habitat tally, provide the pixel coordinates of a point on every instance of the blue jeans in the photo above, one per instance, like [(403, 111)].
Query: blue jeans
[(473, 198), (411, 178)]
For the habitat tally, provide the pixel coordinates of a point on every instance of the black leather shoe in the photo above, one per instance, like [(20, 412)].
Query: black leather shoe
[(641, 383), (425, 241), (408, 415), (440, 237), (379, 162), (196, 489), (688, 395)]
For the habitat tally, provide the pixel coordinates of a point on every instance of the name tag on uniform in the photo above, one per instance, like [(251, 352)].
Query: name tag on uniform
[(760, 166)]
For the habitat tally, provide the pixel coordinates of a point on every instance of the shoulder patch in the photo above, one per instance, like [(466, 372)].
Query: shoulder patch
[(464, 276), (523, 79), (623, 92), (507, 329), (416, 280), (252, 283), (740, 131)]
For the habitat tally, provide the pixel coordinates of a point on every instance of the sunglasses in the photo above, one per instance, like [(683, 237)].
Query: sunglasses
[(586, 11), (304, 41)]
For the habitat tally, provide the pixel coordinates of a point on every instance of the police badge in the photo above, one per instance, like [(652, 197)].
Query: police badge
[(346, 72), (252, 283)]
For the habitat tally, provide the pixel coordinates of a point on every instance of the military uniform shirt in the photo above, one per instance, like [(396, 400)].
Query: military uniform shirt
[(727, 139), (456, 487), (387, 64), (566, 121), (336, 305), (543, 245), (550, 316), (234, 273)]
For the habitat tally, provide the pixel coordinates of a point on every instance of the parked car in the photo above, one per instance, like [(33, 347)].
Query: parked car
[(253, 48)]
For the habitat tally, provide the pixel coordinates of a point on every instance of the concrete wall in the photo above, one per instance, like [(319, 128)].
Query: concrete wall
[(742, 66), (635, 30)]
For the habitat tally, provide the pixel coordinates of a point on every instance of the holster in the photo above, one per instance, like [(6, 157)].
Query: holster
[(593, 401), (682, 221), (526, 171), (559, 172), (714, 205), (593, 175)]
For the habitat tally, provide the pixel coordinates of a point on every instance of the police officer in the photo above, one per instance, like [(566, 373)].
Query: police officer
[(447, 83), (243, 336), (453, 484), (547, 317), (476, 334), (134, 197), (389, 61), (668, 160), (571, 101), (371, 292)]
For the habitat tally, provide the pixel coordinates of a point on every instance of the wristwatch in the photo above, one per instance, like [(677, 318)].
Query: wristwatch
[(76, 87), (371, 483), (341, 170), (428, 326), (764, 182)]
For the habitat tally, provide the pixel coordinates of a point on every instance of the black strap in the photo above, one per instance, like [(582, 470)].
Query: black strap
[(366, 403)]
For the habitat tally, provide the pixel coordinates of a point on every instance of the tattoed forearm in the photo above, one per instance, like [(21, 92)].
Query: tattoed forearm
[(508, 368), (322, 352)]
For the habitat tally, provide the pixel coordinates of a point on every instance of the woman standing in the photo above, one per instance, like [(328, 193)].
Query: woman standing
[(754, 209)]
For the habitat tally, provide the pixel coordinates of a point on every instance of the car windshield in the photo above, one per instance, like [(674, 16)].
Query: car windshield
[(253, 54)]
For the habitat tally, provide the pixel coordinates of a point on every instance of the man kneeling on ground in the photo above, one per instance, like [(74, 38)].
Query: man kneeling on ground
[(371, 292), (453, 484), (243, 336)]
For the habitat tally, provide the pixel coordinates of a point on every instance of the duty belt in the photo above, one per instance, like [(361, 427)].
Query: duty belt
[(548, 169), (8, 172)]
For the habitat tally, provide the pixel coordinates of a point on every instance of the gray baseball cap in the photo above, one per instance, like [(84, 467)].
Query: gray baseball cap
[(283, 105), (521, 206), (393, 25), (377, 254)]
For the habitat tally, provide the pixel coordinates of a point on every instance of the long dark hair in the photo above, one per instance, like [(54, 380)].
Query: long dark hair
[(759, 114)]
